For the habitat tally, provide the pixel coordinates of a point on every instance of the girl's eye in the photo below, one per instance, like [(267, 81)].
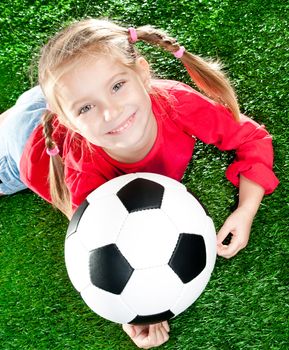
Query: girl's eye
[(118, 86), (85, 109)]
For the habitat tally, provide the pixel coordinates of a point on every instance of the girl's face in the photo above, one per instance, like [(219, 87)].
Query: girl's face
[(107, 103)]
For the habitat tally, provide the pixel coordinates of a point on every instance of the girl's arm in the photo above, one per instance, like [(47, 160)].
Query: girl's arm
[(240, 221)]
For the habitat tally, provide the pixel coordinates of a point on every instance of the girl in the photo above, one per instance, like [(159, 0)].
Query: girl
[(106, 117)]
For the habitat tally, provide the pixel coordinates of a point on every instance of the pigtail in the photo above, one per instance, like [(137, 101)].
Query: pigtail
[(207, 75), (59, 192)]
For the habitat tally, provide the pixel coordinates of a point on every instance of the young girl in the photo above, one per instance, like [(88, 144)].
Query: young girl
[(106, 117)]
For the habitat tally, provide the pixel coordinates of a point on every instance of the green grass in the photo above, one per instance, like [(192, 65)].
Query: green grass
[(245, 305)]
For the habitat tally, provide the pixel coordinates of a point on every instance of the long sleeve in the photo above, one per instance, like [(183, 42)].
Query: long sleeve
[(213, 124)]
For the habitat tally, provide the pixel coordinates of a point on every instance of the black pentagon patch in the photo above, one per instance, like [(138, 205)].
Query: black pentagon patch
[(108, 269), (189, 257), (141, 194), (73, 224), (150, 319)]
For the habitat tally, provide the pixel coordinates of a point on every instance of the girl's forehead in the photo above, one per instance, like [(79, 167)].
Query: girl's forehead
[(101, 64), (94, 72)]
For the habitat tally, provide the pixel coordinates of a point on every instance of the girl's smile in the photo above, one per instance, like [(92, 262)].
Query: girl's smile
[(124, 126)]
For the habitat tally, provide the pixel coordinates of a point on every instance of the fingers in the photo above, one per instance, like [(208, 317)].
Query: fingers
[(148, 336), (223, 249), (157, 336), (134, 331), (129, 330), (229, 250), (166, 326), (238, 224)]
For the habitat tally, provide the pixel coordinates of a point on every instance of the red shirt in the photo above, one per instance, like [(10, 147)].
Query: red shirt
[(183, 115)]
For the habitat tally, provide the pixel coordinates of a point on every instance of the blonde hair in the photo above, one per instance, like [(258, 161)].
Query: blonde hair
[(92, 37)]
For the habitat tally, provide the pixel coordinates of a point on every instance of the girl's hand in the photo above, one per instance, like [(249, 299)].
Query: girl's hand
[(239, 225), (148, 336), (240, 221)]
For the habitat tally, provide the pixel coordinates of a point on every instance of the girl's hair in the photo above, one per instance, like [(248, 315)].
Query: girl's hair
[(91, 37), (59, 192)]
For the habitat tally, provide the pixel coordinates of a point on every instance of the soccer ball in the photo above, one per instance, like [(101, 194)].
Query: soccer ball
[(140, 249)]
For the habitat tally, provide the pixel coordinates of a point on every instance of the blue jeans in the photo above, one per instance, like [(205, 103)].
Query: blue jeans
[(15, 130)]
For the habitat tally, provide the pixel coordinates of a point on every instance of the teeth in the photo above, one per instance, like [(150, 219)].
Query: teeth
[(123, 127), (120, 129)]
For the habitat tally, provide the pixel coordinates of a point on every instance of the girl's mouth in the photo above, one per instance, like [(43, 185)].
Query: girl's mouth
[(125, 125)]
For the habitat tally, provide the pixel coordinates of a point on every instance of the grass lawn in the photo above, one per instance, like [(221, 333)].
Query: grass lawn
[(245, 305)]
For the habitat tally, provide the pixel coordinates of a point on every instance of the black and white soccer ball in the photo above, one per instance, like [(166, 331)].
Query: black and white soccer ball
[(140, 249)]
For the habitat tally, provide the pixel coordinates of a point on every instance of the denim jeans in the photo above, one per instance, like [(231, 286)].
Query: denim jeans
[(15, 130)]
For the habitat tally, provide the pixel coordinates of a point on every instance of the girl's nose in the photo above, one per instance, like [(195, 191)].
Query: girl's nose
[(111, 112), (107, 115)]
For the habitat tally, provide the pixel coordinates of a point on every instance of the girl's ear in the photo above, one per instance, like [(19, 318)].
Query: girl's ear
[(143, 69)]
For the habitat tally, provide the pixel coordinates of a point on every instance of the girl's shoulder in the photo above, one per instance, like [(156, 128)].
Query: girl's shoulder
[(170, 86), (175, 96), (172, 90)]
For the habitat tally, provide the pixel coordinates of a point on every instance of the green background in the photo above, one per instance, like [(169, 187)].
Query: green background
[(245, 305)]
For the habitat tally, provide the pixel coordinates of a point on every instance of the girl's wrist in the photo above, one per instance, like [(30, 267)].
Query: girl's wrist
[(249, 209), (250, 195)]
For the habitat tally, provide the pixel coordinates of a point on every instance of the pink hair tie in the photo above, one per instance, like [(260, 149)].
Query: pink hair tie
[(52, 151), (180, 52), (132, 35)]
